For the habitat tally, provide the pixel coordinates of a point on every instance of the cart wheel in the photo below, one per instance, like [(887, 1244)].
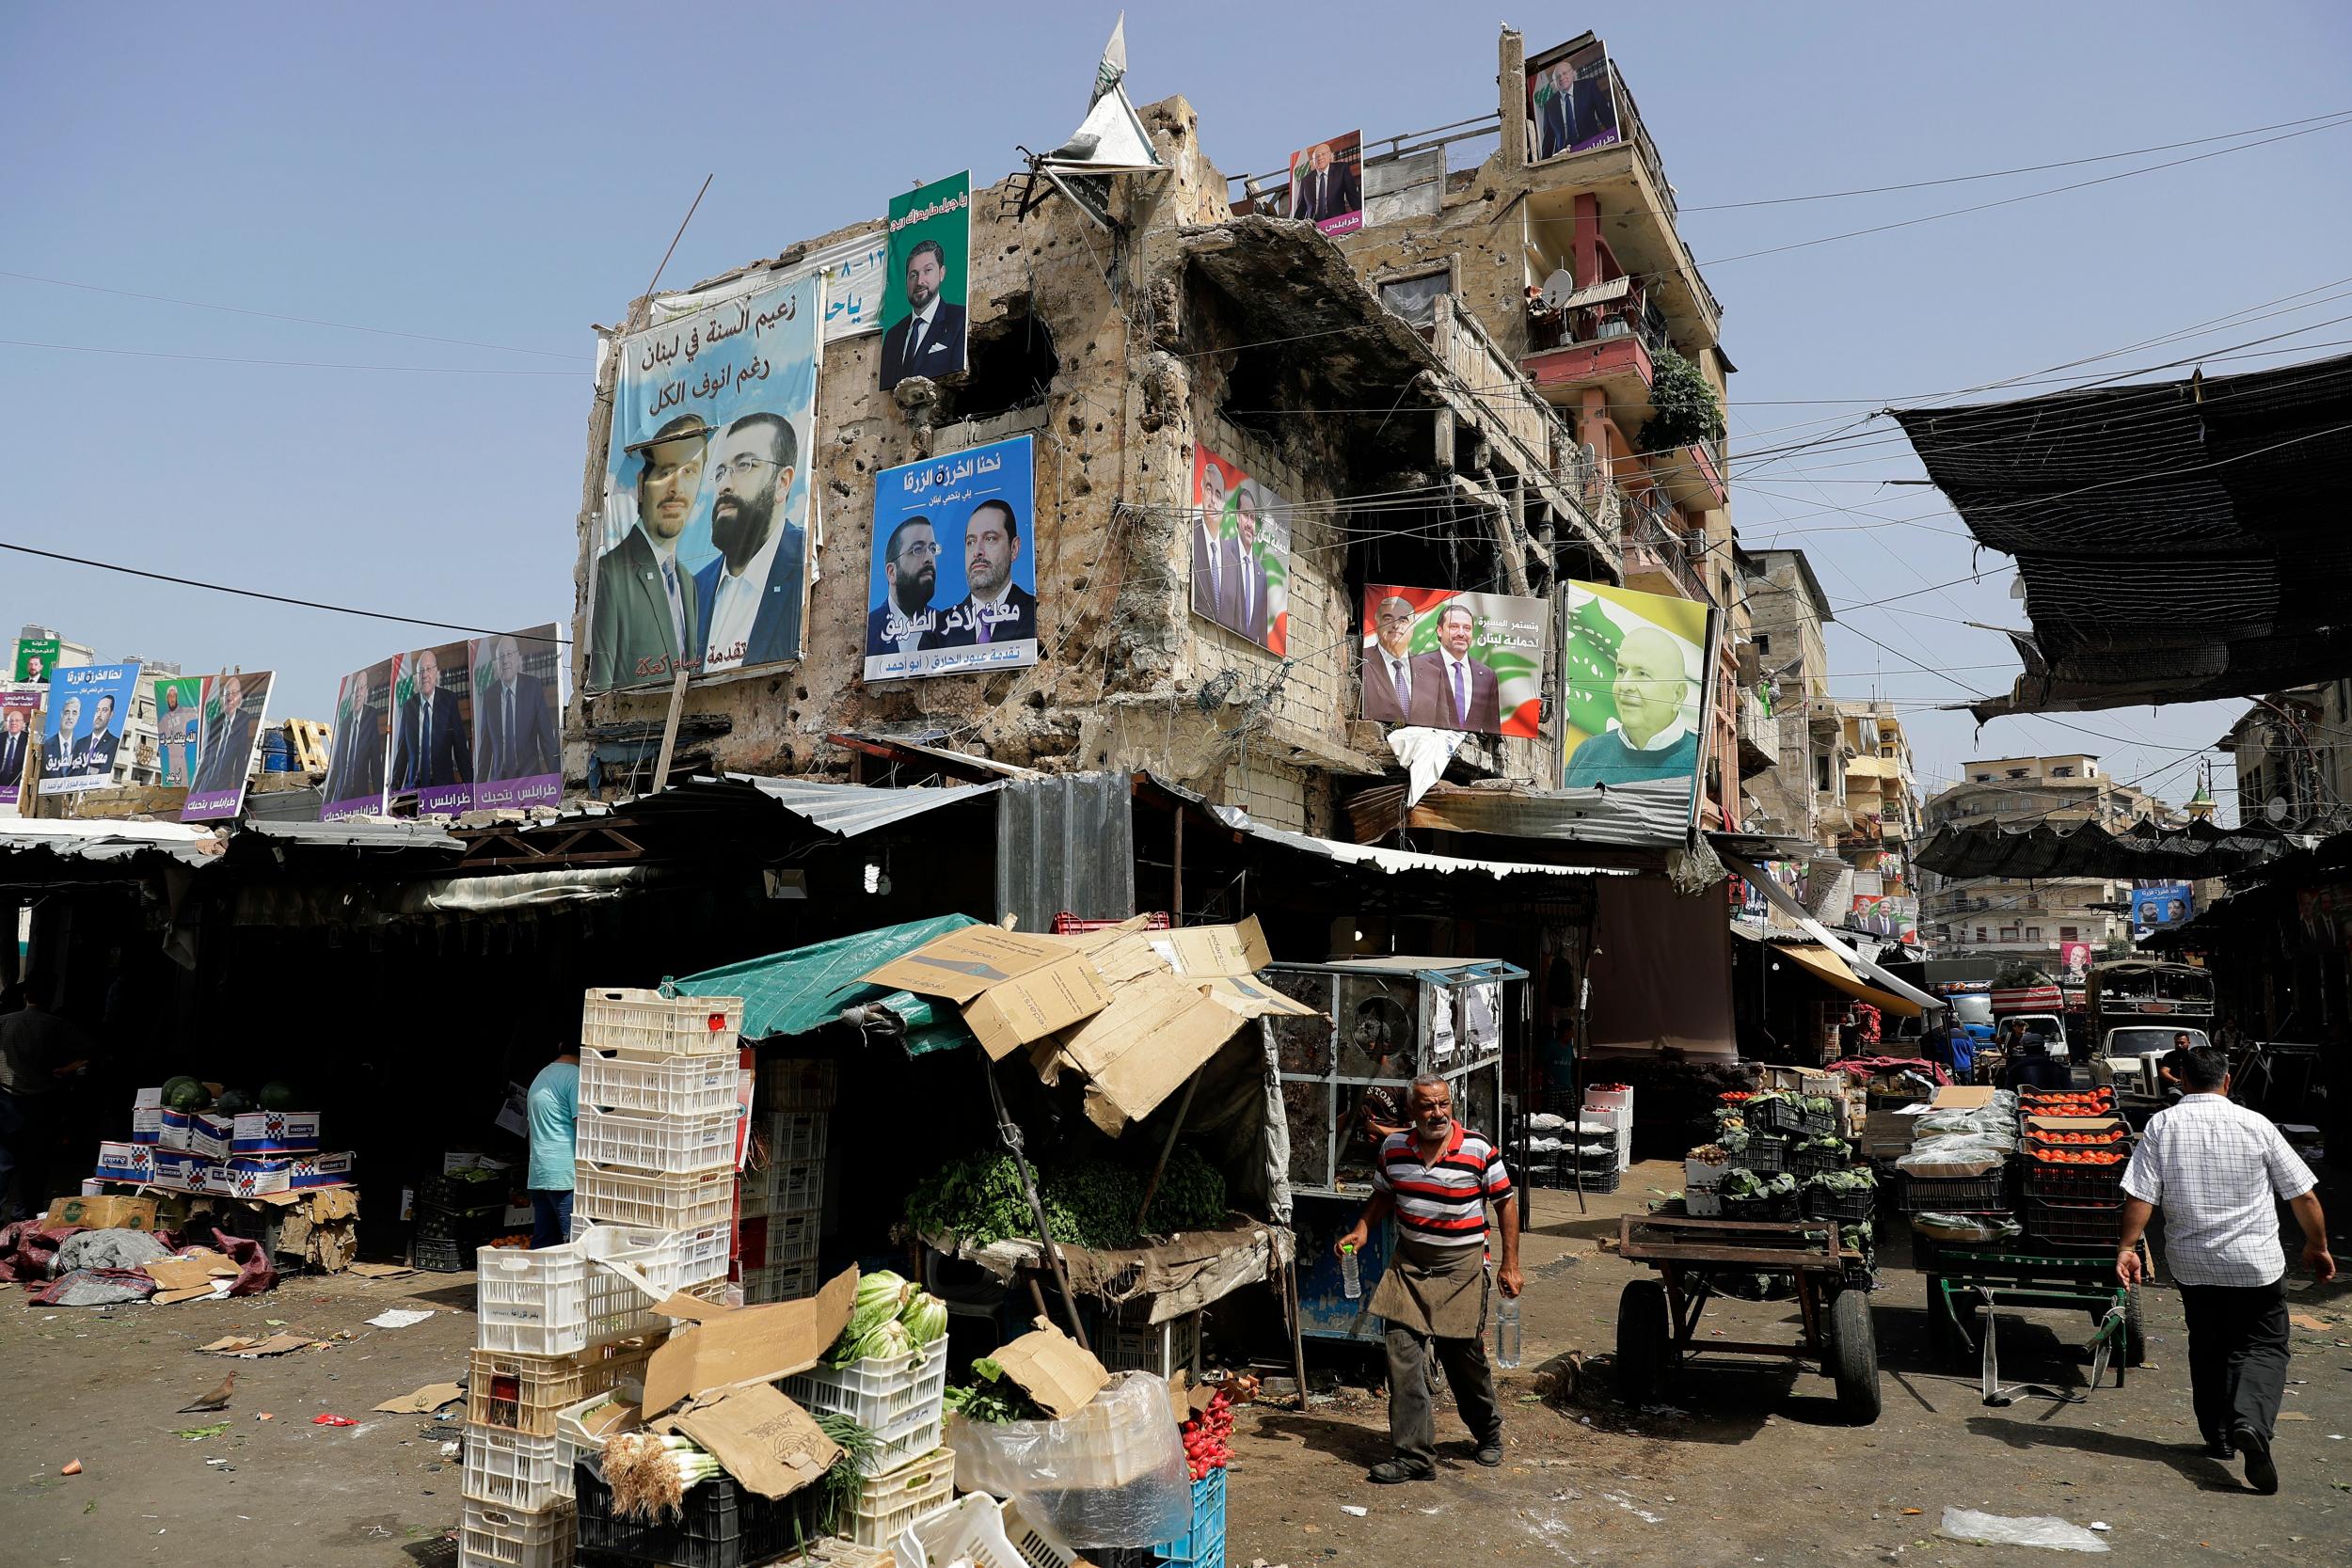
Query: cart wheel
[(1853, 1356), (2135, 1336), (1643, 1339)]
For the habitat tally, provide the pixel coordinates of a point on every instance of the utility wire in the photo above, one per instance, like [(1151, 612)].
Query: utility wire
[(280, 364)]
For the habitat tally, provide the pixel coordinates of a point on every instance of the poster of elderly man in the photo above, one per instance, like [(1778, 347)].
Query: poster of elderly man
[(1328, 184), (518, 759), (433, 729), (1437, 658), (235, 705), (82, 735), (1635, 705)]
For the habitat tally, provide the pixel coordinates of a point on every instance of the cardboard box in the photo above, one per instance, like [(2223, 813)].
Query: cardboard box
[(275, 1133), (1012, 987), (176, 1170), (1964, 1097), (147, 1099), (209, 1134), (103, 1213), (147, 1124), (1053, 1369), (126, 1161), (174, 1129), (720, 1348), (761, 1438), (245, 1175)]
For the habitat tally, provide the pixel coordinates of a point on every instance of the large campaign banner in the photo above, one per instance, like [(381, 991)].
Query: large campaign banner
[(235, 706), (81, 733), (517, 705), (857, 283), (1572, 100), (179, 726), (1448, 660), (703, 562), (924, 324), (1636, 695), (36, 656), (1241, 552), (363, 743), (953, 581), (433, 728), (1328, 184), (2159, 906), (20, 719)]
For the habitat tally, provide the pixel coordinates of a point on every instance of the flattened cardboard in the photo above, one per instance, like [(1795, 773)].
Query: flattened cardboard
[(195, 1271), (1964, 1097), (1053, 1369), (1012, 987), (424, 1401), (277, 1344), (758, 1436), (723, 1346), (1246, 995), (1157, 1032)]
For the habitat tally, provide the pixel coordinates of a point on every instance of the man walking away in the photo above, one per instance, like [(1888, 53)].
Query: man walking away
[(2217, 1170), (553, 1104), (1436, 1177)]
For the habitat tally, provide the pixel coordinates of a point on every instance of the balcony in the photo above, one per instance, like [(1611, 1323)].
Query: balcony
[(1659, 558), (1694, 475), (1606, 336), (1759, 737)]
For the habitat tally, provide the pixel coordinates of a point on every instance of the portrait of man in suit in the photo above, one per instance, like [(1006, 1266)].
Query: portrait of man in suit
[(227, 752), (15, 744), (748, 596), (1242, 573), (645, 618), (57, 762), (910, 576), (1653, 739), (356, 771), (1465, 695), (431, 749), (1325, 186), (930, 342), (1208, 535), (515, 719), (998, 610), (96, 754), (1390, 695)]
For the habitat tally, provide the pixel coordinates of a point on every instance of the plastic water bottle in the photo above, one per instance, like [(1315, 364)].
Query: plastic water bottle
[(1508, 1332), (1351, 1272)]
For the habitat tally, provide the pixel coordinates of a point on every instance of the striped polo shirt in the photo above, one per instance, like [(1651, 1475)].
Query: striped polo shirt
[(1442, 1203)]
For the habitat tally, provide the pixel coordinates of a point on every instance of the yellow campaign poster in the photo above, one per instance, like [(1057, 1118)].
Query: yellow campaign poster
[(1635, 668)]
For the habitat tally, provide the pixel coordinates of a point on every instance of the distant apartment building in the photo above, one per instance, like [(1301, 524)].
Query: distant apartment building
[(1789, 737), (2293, 751), (1873, 811)]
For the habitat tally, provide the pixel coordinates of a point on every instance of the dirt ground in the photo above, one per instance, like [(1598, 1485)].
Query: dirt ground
[(1745, 1466)]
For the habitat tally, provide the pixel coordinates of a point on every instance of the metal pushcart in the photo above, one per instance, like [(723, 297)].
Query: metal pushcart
[(1657, 1320), (1964, 1277)]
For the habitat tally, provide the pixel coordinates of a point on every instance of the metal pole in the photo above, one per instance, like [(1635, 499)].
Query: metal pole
[(1298, 1342), (1010, 1133), (1176, 874)]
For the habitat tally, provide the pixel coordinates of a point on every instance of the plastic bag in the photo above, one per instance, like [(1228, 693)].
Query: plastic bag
[(1112, 1475), (1953, 1151), (1965, 1229), (1998, 1529)]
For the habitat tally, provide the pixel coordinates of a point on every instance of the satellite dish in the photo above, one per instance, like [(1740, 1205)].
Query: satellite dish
[(2276, 808), (1557, 288)]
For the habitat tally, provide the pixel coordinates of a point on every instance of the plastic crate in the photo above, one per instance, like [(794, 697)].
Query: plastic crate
[(657, 1085), (666, 1025), (1786, 1116), (451, 1195), (719, 1525), (1825, 1203), (490, 1536), (896, 1398), (1702, 1203), (526, 1394), (1954, 1194), (889, 1502), (784, 1237), (1767, 1154), (788, 1137), (792, 1187), (1160, 1349), (1204, 1546), (2075, 1224), (1780, 1206), (979, 1529), (1594, 1179), (1818, 1162), (512, 1471), (660, 1202), (656, 1144), (2076, 1184), (557, 1300), (780, 1282), (797, 1084), (439, 1255), (702, 1255)]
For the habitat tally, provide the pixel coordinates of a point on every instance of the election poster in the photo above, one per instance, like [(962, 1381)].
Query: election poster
[(1572, 99), (82, 731), (1446, 661), (36, 656), (433, 728), (857, 281), (179, 722), (235, 706), (1635, 701), (20, 720), (2159, 906), (1328, 184), (517, 703), (923, 316), (703, 559), (953, 581), (361, 744), (1241, 552)]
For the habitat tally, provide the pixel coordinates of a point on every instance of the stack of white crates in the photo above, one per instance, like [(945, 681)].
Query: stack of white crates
[(783, 1193), (660, 1110), (1614, 1105)]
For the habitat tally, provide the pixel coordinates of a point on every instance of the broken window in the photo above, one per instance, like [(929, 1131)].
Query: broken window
[(1415, 298), (1010, 364)]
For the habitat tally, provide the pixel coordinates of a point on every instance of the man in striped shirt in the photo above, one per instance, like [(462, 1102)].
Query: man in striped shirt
[(1436, 1178)]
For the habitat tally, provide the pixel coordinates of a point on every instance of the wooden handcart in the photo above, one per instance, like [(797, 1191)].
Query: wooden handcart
[(1657, 1319)]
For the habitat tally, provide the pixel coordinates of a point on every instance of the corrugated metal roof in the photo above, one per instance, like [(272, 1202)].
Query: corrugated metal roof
[(845, 810)]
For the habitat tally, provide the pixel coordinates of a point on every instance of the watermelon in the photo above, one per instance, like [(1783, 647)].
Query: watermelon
[(277, 1095), (231, 1102), (186, 1094)]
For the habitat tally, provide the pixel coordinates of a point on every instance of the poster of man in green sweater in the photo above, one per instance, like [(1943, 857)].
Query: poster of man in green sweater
[(1635, 696)]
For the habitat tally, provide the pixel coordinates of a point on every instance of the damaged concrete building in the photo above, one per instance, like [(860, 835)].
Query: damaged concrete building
[(1454, 395)]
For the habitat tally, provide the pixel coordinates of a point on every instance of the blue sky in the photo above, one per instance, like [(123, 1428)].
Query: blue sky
[(508, 175)]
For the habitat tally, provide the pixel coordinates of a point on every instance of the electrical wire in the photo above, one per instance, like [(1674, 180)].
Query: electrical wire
[(280, 364)]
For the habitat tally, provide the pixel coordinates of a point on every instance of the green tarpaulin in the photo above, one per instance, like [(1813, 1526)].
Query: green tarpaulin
[(791, 993)]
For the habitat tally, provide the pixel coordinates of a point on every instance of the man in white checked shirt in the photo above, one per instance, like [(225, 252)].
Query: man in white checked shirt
[(2218, 1171)]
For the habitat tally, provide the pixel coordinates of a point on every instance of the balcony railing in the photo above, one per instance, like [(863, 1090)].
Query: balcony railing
[(1651, 542), (1630, 315)]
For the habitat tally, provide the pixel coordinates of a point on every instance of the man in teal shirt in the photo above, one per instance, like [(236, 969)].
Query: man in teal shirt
[(1651, 741), (553, 1105)]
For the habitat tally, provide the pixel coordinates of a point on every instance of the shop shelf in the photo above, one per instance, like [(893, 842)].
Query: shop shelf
[(657, 1145), (511, 1470), (664, 1202), (894, 1396), (527, 1394), (888, 1504), (659, 1085), (668, 1025), (493, 1537)]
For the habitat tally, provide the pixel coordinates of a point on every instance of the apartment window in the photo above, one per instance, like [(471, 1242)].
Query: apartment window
[(1984, 778), (1415, 298), (2033, 933), (1763, 641), (1980, 933), (2009, 933), (2066, 933), (2021, 774)]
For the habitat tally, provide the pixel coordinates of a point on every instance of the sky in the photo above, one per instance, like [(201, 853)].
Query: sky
[(478, 185)]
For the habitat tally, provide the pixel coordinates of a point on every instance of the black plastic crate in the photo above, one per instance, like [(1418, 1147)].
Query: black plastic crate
[(1818, 1162), (1824, 1203), (1780, 1206), (2082, 1225), (452, 1196), (722, 1526), (467, 1231), (1604, 1179), (1955, 1194), (2076, 1184), (1767, 1154), (441, 1255), (1786, 1116)]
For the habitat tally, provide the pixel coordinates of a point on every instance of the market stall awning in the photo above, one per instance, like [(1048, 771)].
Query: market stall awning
[(2177, 541), (1776, 895), (793, 992), (1600, 818), (2142, 851), (1825, 965), (844, 810)]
